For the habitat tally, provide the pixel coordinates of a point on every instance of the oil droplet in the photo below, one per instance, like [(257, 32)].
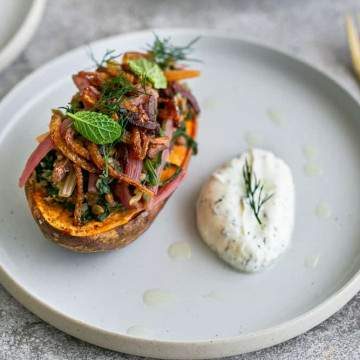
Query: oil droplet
[(323, 210), (309, 152), (275, 117), (180, 250), (138, 331), (252, 139), (312, 262), (214, 295), (157, 297), (312, 169)]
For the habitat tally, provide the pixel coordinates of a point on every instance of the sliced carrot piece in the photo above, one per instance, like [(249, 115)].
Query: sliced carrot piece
[(189, 127), (178, 155), (176, 75), (167, 173)]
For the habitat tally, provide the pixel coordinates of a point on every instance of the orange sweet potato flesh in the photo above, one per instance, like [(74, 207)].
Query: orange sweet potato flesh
[(167, 173), (116, 231)]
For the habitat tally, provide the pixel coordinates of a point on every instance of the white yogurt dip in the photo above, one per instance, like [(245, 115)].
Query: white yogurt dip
[(226, 219)]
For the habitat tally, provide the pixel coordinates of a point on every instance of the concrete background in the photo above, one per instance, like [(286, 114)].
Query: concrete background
[(310, 29)]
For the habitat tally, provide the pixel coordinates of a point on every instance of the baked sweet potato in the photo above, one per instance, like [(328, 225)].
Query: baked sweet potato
[(116, 231), (114, 155)]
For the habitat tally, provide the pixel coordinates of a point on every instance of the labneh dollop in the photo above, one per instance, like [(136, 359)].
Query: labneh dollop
[(245, 211)]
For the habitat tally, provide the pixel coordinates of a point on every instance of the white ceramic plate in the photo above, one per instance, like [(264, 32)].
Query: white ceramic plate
[(20, 20), (214, 310)]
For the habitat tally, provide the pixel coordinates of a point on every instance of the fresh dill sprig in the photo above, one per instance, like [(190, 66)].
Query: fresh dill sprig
[(254, 191), (112, 94), (165, 54), (108, 56)]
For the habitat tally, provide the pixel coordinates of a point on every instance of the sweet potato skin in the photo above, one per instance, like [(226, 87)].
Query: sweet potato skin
[(118, 237)]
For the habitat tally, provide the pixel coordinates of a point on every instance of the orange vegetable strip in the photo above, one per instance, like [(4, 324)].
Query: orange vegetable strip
[(75, 145), (55, 134), (176, 75)]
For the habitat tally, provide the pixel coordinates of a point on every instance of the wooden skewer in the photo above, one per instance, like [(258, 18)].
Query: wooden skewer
[(354, 44)]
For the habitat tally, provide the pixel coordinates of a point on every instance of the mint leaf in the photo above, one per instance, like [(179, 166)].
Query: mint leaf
[(96, 127), (149, 71)]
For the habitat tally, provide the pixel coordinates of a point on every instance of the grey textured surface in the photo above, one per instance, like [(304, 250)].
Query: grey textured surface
[(310, 29)]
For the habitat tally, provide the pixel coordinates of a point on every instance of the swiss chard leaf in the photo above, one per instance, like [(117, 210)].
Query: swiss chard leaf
[(150, 167)]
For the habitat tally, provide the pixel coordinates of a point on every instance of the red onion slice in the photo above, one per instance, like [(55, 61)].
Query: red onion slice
[(122, 192), (133, 166), (168, 131), (35, 158), (167, 190), (133, 169), (188, 95)]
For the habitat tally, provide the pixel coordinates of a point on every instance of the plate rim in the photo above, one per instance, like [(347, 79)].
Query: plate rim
[(172, 349), (24, 33)]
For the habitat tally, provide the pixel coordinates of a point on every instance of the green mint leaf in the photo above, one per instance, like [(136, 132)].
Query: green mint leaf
[(96, 127), (149, 71)]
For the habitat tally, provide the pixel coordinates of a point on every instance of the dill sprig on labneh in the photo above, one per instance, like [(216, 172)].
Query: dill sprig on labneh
[(254, 191)]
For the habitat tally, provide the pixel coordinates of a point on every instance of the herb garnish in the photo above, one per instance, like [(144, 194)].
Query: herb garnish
[(166, 55), (149, 71), (190, 142), (104, 181), (254, 191), (108, 56), (112, 94), (151, 175), (107, 210), (96, 127)]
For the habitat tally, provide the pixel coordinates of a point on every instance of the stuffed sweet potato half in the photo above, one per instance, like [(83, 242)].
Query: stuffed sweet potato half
[(114, 155)]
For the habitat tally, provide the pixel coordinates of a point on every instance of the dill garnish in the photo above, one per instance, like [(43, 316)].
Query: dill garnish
[(108, 56), (254, 191), (165, 54), (112, 94)]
